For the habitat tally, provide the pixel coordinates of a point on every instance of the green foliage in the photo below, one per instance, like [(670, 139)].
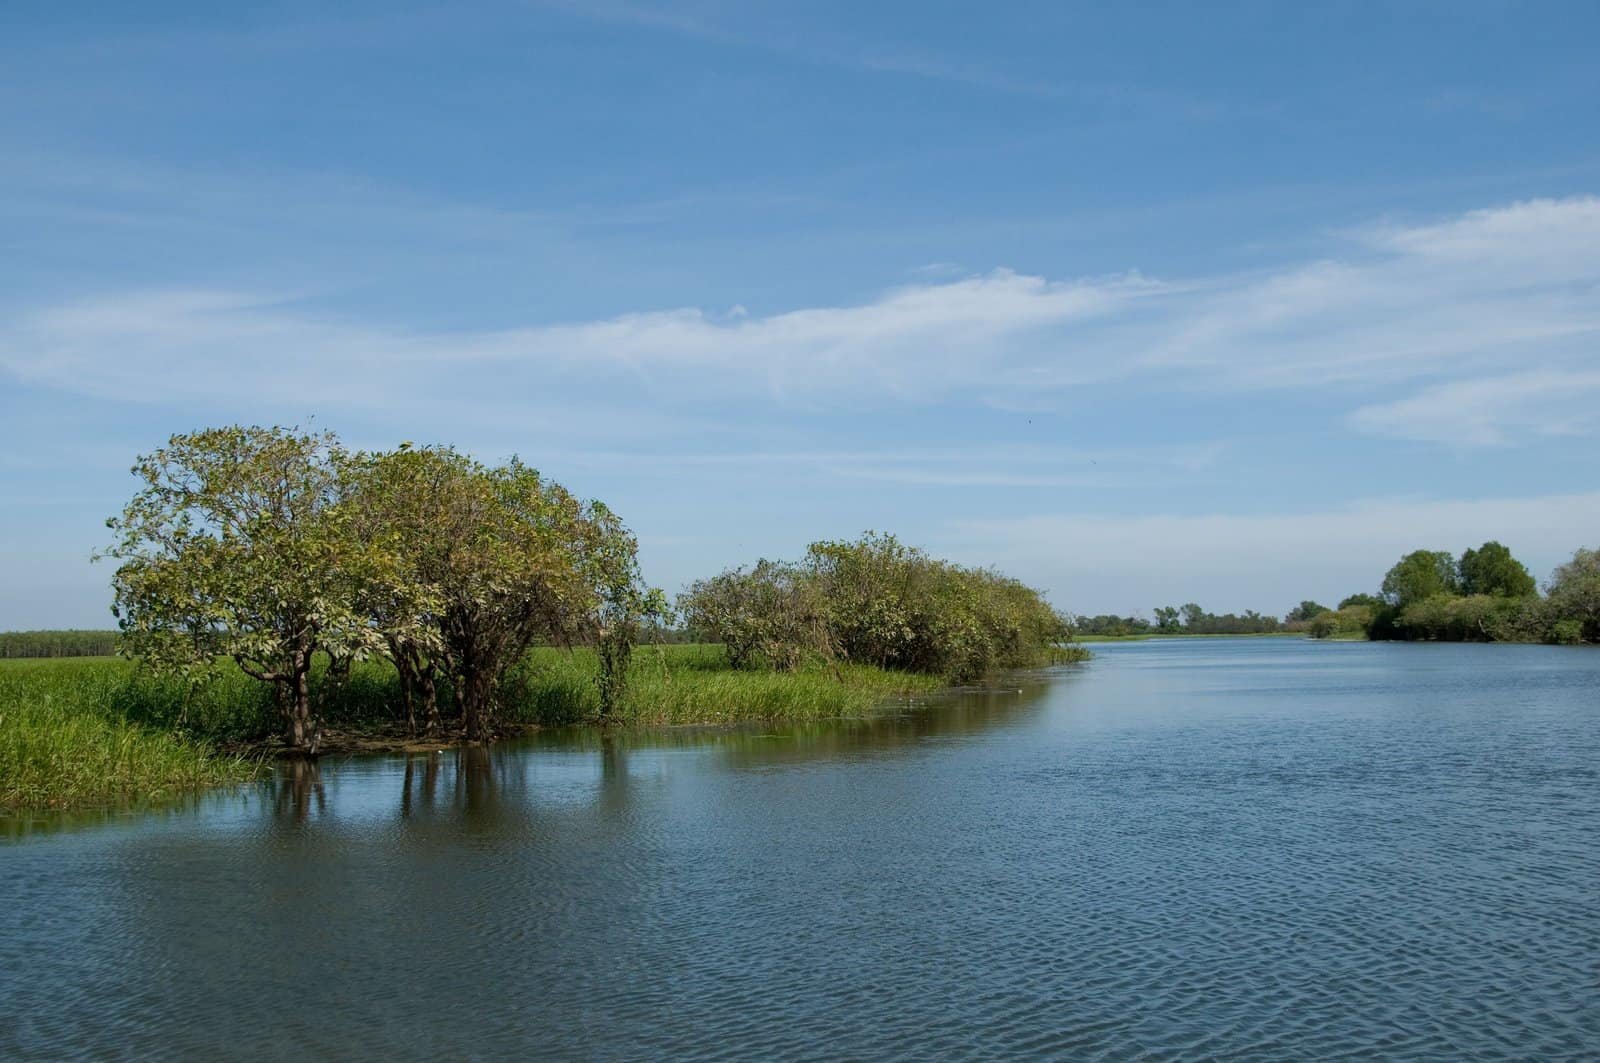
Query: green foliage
[(770, 615), (1449, 618), (15, 645), (892, 605), (1111, 626), (624, 607), (1196, 621), (238, 545), (271, 545), (1488, 596), (298, 560), (1167, 618), (106, 731), (1491, 569), (1371, 601), (875, 600), (1526, 620), (693, 684), (1305, 611), (1419, 575), (1350, 621), (1574, 597), (477, 564), (1567, 633)]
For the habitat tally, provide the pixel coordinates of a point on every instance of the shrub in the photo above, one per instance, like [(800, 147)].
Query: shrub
[(1444, 617), (1575, 595), (1566, 632), (1345, 622), (770, 614), (876, 601)]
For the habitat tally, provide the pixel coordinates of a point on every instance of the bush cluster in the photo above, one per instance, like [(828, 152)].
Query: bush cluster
[(875, 600), (1346, 622), (1484, 596)]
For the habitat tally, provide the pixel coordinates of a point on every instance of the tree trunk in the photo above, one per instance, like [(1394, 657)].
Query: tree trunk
[(402, 667), (430, 698), (615, 650), (300, 729), (476, 692)]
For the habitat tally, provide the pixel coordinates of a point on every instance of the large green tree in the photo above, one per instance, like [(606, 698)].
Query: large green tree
[(400, 503), (239, 544), (1490, 569), (1418, 575), (486, 562)]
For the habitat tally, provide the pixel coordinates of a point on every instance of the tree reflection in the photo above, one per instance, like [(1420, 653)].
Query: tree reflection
[(477, 790), (296, 785), (424, 784)]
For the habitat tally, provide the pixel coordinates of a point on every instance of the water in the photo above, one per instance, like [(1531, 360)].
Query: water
[(1242, 848)]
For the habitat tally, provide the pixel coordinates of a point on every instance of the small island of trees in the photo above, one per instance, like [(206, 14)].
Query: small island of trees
[(295, 559), (1485, 595)]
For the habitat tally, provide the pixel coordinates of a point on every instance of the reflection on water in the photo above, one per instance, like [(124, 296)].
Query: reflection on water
[(296, 788), (1252, 848)]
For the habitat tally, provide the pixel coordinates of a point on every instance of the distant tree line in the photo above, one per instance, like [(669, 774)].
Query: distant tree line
[(271, 546), (1191, 619), (876, 601), (70, 643), (1485, 595)]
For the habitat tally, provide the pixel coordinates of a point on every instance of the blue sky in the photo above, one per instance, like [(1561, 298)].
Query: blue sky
[(1143, 303)]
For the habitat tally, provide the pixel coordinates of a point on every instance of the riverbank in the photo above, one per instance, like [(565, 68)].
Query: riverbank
[(87, 731), (66, 742)]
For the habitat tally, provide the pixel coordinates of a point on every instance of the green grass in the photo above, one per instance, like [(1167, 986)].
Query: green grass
[(671, 685), (82, 732), (65, 741)]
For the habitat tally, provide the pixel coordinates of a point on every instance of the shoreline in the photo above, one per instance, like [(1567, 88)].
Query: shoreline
[(131, 738)]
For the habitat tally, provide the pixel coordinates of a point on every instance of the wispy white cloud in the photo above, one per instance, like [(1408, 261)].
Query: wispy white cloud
[(915, 342), (1477, 295), (1490, 411), (1103, 562), (970, 466)]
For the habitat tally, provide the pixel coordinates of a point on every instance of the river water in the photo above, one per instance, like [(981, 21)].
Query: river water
[(1183, 849)]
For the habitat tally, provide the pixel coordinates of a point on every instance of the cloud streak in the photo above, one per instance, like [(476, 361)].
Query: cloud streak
[(1474, 296), (1491, 411), (970, 466)]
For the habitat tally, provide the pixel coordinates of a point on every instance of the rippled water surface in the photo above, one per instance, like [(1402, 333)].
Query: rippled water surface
[(1183, 849)]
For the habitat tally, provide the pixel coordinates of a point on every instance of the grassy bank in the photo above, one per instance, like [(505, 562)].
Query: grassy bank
[(88, 731), (65, 741), (692, 684)]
